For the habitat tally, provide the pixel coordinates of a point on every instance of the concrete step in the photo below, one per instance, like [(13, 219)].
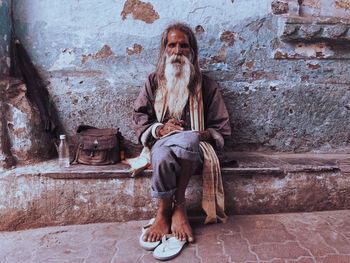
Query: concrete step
[(322, 237), (45, 195)]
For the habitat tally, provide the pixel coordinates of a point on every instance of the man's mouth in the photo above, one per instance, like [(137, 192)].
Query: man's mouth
[(177, 60)]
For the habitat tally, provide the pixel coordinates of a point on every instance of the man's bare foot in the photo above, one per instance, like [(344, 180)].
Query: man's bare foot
[(180, 226), (160, 227)]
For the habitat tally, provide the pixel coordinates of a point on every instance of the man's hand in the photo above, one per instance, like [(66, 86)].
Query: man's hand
[(170, 126)]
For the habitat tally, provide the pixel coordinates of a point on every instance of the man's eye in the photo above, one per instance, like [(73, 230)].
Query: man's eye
[(184, 45), (171, 45)]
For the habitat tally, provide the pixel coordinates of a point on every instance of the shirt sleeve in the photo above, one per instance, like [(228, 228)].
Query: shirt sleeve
[(144, 115), (216, 116)]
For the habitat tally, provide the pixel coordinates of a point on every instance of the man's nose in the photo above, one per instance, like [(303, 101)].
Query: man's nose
[(178, 50)]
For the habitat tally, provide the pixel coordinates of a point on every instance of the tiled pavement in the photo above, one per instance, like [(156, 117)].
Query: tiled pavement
[(296, 237)]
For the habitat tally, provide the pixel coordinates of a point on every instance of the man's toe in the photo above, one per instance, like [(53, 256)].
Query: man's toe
[(183, 237), (154, 238)]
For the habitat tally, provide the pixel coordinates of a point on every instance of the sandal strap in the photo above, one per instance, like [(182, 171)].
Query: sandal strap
[(173, 244), (150, 222)]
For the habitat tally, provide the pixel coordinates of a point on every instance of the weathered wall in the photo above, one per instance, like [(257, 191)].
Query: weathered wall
[(5, 30), (281, 95)]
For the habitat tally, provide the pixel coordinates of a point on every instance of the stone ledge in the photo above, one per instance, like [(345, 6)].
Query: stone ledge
[(248, 164), (314, 29), (41, 195)]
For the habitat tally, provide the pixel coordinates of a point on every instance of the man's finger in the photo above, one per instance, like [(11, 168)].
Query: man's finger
[(172, 120), (181, 122), (176, 122), (172, 127)]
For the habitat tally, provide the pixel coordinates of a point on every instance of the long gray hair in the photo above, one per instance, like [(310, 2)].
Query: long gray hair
[(196, 76)]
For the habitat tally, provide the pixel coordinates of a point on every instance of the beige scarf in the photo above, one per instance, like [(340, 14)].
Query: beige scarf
[(213, 190)]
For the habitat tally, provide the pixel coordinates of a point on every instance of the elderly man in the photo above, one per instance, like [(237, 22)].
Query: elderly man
[(180, 115)]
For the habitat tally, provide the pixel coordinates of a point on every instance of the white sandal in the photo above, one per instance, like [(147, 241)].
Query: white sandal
[(169, 249), (145, 244)]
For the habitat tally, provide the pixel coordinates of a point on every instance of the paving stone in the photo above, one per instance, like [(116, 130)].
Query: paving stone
[(237, 248), (308, 235), (319, 237), (277, 261), (336, 240), (269, 230), (288, 250), (302, 260), (210, 248), (334, 259)]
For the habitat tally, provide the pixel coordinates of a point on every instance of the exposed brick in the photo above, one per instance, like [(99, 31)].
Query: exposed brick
[(313, 66), (105, 52), (279, 7), (228, 37), (136, 49), (139, 11), (342, 4), (199, 29)]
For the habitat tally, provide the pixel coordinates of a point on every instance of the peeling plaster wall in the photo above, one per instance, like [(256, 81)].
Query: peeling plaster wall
[(96, 56), (5, 30), (338, 8)]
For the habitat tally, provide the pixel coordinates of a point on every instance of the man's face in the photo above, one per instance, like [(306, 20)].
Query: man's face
[(178, 44)]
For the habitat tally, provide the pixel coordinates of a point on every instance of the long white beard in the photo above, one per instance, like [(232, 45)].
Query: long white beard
[(177, 77)]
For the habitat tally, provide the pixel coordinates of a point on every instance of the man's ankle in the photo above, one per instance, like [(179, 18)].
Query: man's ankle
[(164, 213), (165, 206), (179, 202)]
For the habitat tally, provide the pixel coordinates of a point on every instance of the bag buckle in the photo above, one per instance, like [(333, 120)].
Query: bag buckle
[(92, 153)]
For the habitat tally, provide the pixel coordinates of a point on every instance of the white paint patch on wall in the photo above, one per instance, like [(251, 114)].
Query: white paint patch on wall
[(19, 118), (82, 198), (278, 184), (129, 190), (20, 122), (314, 50), (20, 195), (64, 60)]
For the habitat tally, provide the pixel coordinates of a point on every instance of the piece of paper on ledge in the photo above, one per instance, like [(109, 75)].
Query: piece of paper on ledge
[(140, 163)]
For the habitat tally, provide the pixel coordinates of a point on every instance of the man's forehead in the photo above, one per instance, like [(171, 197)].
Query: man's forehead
[(177, 35)]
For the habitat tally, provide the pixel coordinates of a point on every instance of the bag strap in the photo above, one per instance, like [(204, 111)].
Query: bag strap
[(84, 127)]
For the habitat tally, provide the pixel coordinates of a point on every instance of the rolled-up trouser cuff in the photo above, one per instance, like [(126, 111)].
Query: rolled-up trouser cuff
[(162, 195)]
